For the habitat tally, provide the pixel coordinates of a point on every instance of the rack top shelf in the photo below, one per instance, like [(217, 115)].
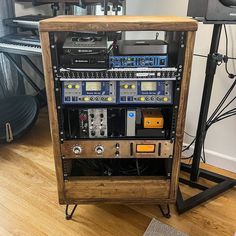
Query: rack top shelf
[(118, 23)]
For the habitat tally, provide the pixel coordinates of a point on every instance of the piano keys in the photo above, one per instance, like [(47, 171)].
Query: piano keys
[(22, 44)]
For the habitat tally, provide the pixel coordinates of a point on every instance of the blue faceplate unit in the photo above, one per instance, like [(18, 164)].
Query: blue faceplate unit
[(138, 61)]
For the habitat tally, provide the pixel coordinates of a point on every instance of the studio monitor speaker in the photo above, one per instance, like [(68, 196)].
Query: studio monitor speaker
[(213, 10)]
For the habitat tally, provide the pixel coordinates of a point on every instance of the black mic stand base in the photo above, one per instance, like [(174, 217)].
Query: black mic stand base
[(223, 183)]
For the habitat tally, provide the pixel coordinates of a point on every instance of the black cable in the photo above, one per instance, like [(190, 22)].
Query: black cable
[(137, 166), (218, 114), (200, 55), (232, 111), (190, 135), (187, 158), (205, 56), (187, 148), (222, 102), (231, 76), (203, 152), (226, 106), (214, 118), (225, 117)]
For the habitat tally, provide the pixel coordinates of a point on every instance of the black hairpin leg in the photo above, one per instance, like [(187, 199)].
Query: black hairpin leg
[(167, 213), (70, 215)]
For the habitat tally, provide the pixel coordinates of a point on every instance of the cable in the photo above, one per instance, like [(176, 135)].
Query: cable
[(192, 136), (137, 166), (216, 116), (231, 76), (222, 102), (187, 148), (200, 55), (205, 56)]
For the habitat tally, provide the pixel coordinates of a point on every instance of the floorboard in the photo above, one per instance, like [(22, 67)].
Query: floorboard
[(29, 205)]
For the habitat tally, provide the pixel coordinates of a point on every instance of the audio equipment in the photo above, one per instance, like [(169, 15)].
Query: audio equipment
[(84, 61), (77, 44), (97, 120), (119, 149), (138, 61), (115, 122), (142, 47), (145, 92), (84, 51), (93, 123), (213, 10), (123, 92), (89, 92), (103, 150), (131, 123), (135, 74), (83, 123), (152, 119)]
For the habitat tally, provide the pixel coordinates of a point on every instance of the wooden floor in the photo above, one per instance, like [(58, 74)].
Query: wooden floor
[(29, 206)]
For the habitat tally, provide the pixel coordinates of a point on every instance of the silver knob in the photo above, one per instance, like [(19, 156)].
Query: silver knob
[(77, 150), (99, 149)]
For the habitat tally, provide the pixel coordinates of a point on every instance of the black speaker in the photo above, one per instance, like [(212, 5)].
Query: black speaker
[(213, 10)]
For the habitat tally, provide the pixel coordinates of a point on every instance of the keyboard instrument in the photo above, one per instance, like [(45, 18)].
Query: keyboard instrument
[(23, 44), (26, 22)]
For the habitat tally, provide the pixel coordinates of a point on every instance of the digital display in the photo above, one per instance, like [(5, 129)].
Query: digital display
[(93, 86), (148, 86)]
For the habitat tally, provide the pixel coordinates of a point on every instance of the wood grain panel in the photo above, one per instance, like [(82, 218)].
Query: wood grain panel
[(126, 190), (116, 189), (88, 148), (49, 83), (118, 23), (182, 112)]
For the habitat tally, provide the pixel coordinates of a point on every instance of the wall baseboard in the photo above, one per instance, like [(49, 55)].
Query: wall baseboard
[(216, 159)]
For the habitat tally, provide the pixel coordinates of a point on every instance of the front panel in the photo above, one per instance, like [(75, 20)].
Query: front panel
[(145, 92), (118, 149), (92, 92)]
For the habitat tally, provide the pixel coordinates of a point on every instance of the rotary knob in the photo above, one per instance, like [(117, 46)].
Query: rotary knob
[(77, 150), (99, 149)]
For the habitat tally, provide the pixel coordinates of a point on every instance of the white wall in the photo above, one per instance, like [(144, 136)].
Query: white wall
[(220, 143), (27, 9)]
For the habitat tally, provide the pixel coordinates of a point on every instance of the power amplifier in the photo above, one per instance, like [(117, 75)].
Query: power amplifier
[(138, 61)]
